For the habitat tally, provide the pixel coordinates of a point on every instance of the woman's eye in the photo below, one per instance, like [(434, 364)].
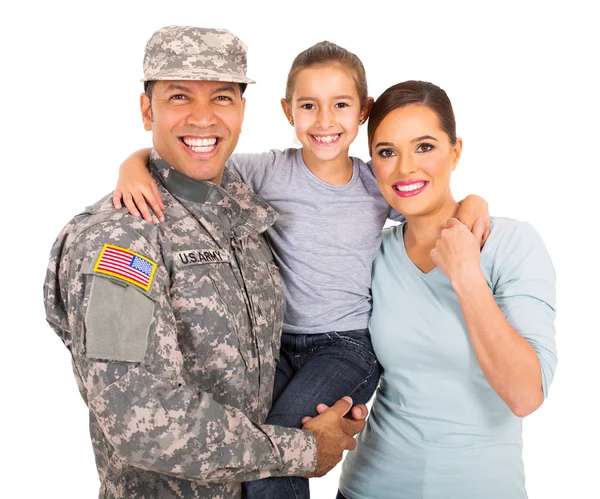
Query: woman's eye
[(424, 147), (385, 153)]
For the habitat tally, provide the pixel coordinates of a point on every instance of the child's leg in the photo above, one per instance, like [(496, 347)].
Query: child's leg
[(328, 366)]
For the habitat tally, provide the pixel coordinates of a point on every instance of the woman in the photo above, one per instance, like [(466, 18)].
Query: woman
[(466, 340)]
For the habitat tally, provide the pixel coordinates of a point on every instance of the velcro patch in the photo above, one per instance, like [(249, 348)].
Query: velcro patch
[(202, 256), (126, 265)]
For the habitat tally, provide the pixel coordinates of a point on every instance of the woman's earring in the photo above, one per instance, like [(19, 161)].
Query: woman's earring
[(362, 122)]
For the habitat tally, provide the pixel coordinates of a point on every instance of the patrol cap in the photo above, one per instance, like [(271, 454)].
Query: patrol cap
[(190, 53)]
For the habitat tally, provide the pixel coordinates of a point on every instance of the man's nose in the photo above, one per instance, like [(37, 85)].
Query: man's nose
[(201, 115)]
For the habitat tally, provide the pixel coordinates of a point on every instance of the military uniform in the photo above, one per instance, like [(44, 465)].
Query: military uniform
[(174, 332)]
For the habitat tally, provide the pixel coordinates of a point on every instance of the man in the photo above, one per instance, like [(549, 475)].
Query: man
[(174, 328)]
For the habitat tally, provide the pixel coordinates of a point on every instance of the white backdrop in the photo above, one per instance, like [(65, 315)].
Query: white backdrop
[(522, 80)]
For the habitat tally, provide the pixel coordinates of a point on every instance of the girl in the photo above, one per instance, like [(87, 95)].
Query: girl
[(474, 351), (324, 242)]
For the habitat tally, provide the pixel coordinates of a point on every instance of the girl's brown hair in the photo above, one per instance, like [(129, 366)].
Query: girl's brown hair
[(323, 54)]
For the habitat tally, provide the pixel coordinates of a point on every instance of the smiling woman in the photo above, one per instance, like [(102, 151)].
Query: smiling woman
[(198, 125), (474, 351)]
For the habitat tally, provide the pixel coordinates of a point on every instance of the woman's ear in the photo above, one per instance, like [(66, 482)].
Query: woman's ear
[(457, 151)]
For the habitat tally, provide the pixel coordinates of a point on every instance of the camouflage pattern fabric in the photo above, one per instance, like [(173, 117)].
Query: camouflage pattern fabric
[(185, 419), (190, 53)]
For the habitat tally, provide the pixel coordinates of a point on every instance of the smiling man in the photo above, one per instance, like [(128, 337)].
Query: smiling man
[(174, 328)]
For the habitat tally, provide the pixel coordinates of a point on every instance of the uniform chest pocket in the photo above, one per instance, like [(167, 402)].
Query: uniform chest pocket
[(209, 304)]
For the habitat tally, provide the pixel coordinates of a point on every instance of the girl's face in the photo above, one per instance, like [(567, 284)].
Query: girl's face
[(326, 111), (413, 160)]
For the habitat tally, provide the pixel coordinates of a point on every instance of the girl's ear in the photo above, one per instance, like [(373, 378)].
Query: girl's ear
[(366, 110), (287, 111)]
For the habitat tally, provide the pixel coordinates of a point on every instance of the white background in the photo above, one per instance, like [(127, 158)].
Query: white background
[(522, 78)]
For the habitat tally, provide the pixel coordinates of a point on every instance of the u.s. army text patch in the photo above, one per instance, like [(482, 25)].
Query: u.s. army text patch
[(202, 256), (127, 265)]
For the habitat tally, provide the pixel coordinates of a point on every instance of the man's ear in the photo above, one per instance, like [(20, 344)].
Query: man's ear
[(146, 108), (287, 111)]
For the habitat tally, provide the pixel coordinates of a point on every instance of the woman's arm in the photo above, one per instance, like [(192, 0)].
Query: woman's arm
[(137, 189), (517, 355)]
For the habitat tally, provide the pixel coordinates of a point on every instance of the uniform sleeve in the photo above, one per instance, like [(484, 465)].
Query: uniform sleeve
[(525, 290), (127, 357), (253, 169)]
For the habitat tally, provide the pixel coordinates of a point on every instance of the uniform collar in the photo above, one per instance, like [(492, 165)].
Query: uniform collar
[(250, 213)]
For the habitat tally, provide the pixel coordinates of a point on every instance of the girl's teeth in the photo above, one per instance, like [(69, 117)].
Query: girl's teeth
[(327, 139)]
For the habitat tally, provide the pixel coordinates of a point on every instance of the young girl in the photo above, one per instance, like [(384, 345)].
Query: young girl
[(330, 218)]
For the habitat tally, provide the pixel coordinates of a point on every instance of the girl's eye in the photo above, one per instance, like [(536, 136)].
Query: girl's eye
[(342, 104), (424, 147), (308, 106), (385, 153)]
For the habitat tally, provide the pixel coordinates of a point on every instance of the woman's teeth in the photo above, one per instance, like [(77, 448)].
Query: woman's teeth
[(409, 187)]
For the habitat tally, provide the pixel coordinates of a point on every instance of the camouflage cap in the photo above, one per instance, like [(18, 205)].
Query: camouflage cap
[(190, 53)]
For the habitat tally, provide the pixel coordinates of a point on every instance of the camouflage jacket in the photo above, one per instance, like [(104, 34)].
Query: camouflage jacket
[(174, 331)]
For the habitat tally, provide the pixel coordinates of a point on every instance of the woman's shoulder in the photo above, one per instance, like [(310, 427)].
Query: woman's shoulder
[(515, 248), (508, 232)]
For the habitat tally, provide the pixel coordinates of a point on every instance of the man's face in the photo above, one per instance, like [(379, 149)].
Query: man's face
[(195, 125)]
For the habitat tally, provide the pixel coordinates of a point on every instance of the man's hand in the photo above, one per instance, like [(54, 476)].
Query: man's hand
[(352, 423), (330, 430)]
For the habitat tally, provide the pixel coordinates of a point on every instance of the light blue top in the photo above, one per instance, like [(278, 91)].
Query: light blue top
[(437, 429), (324, 240)]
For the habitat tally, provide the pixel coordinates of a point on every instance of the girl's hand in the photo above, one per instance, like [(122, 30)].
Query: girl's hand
[(457, 252), (470, 209), (137, 189)]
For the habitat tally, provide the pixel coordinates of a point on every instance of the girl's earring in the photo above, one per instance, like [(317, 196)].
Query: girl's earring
[(362, 122), (292, 122)]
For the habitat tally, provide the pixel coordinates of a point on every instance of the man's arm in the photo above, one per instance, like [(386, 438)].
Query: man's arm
[(132, 375)]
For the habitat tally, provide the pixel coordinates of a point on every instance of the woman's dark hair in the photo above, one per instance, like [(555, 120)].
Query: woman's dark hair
[(327, 53), (420, 93)]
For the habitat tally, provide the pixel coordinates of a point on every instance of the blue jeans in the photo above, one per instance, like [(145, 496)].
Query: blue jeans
[(313, 369)]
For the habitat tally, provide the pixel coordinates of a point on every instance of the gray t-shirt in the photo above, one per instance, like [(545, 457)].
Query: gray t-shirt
[(324, 240)]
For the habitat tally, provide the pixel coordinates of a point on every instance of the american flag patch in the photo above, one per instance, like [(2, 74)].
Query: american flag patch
[(127, 265)]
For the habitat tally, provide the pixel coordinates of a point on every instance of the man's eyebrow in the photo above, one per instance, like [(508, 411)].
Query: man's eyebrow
[(225, 88), (423, 137), (178, 86)]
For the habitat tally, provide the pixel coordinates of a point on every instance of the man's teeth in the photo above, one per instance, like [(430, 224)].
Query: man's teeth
[(200, 145), (409, 187), (327, 139)]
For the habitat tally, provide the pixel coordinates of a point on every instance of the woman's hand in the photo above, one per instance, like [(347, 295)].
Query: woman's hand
[(470, 209), (137, 189), (457, 251)]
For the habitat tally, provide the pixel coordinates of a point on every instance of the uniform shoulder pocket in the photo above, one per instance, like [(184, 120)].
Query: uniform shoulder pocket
[(117, 321)]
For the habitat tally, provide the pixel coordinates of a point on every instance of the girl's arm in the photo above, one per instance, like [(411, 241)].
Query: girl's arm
[(137, 189), (512, 327), (470, 209)]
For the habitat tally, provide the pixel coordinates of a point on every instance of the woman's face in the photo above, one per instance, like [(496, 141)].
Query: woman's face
[(413, 160)]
